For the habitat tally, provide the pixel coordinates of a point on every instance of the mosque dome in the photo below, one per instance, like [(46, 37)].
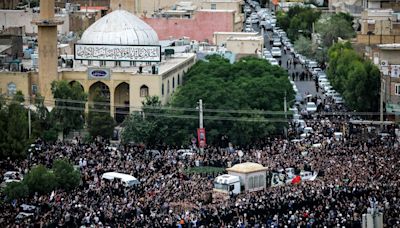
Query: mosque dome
[(120, 28)]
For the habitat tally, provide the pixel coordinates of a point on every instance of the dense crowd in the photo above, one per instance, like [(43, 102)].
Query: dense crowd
[(355, 171)]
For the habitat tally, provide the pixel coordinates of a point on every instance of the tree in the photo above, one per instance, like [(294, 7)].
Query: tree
[(304, 46), (69, 108), (332, 27), (14, 125), (147, 127), (16, 190), (40, 180), (66, 176), (358, 80), (100, 122)]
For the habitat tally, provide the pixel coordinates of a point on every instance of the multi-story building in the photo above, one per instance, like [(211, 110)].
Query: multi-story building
[(389, 61)]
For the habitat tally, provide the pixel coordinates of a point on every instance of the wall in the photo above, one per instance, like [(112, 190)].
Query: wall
[(244, 46), (21, 80), (392, 56), (377, 39), (9, 4), (201, 27), (220, 37)]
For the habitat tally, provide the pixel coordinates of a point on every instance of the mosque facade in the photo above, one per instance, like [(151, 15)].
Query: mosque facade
[(119, 55)]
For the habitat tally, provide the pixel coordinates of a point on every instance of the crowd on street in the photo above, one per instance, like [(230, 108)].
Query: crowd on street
[(360, 169)]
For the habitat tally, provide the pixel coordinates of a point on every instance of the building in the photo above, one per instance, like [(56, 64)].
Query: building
[(132, 69), (9, 4), (200, 26), (379, 26), (389, 61)]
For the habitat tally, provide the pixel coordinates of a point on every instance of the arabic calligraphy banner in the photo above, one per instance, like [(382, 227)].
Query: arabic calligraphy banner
[(138, 53)]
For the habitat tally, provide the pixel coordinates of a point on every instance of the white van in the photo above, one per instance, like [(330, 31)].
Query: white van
[(227, 183), (126, 180)]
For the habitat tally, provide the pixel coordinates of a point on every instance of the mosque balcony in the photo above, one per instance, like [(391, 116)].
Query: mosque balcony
[(47, 22)]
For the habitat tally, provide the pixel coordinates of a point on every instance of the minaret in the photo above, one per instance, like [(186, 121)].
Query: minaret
[(47, 40)]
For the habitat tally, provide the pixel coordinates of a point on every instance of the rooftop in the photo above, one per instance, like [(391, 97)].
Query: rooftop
[(247, 167)]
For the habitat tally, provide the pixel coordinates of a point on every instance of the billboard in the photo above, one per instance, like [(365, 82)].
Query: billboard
[(201, 137), (104, 52)]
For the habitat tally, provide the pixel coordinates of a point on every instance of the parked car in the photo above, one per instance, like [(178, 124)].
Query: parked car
[(276, 52), (277, 43), (273, 62)]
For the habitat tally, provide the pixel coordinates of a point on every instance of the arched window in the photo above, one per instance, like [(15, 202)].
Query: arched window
[(168, 87), (144, 91), (179, 79), (173, 83), (162, 89), (11, 89)]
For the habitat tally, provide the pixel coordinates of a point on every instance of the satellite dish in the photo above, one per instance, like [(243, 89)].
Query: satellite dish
[(240, 153)]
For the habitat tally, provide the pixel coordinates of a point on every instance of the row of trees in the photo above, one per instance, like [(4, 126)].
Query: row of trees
[(358, 80), (68, 114), (299, 22), (42, 180), (250, 84)]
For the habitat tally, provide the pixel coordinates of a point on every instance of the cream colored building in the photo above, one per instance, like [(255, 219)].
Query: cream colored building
[(121, 82)]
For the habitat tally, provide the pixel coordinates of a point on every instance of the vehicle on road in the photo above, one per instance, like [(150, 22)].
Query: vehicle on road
[(276, 52), (311, 107)]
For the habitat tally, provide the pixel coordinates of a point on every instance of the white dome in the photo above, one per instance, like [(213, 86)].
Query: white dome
[(120, 28)]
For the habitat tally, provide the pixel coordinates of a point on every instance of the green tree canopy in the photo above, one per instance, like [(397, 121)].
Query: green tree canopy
[(250, 84), (69, 108), (16, 190), (40, 180), (358, 80), (332, 27), (66, 176), (100, 122)]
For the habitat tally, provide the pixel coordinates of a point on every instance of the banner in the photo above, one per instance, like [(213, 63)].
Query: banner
[(140, 53), (201, 137)]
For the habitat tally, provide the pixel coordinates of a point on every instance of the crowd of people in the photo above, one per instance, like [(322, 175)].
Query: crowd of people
[(354, 172)]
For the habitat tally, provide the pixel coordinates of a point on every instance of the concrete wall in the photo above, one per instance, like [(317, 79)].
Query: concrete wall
[(377, 39), (201, 27), (245, 46), (220, 37), (20, 79)]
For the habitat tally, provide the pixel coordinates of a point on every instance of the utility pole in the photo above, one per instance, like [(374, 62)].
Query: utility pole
[(200, 113), (29, 118), (285, 106), (381, 100)]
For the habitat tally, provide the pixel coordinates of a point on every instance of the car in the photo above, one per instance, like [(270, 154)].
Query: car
[(338, 99), (268, 55), (311, 107), (302, 59), (276, 52), (330, 92), (312, 64), (273, 62), (321, 81), (327, 87), (276, 43), (315, 71), (247, 29)]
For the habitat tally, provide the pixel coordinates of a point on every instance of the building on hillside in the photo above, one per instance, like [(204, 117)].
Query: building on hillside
[(389, 61), (119, 55)]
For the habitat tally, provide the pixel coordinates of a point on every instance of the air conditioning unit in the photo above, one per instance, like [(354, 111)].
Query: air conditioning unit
[(384, 63)]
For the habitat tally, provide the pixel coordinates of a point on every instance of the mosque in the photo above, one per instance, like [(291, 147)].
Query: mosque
[(119, 55)]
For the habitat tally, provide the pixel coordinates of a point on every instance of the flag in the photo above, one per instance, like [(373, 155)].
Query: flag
[(296, 180)]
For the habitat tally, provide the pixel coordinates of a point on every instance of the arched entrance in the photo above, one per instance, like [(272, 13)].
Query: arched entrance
[(121, 101), (72, 83), (103, 91)]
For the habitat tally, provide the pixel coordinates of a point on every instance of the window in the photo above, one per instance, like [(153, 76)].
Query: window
[(162, 89), (34, 88), (397, 89), (261, 179), (213, 6), (12, 89), (168, 87), (251, 182), (179, 79), (173, 83), (144, 91)]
